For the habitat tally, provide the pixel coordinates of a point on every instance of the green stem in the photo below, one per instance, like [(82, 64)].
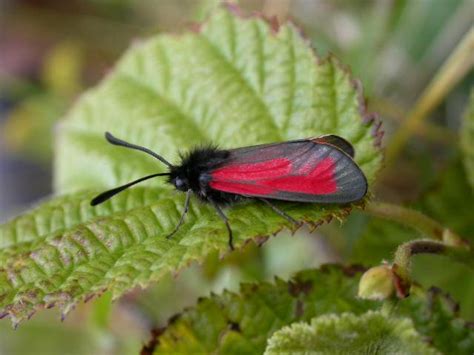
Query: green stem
[(403, 257), (453, 70), (415, 220), (443, 242), (404, 253)]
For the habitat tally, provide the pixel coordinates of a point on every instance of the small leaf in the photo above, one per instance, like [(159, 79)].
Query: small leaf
[(241, 323), (369, 333), (234, 82), (467, 139)]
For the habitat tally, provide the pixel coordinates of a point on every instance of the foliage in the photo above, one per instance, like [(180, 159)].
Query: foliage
[(241, 323), (369, 333), (450, 200), (234, 82), (237, 80)]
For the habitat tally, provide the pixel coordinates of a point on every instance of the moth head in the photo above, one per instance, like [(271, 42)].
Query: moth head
[(181, 183)]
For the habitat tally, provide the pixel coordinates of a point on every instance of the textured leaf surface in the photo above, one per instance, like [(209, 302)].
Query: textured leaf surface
[(467, 139), (233, 82), (241, 323), (369, 333)]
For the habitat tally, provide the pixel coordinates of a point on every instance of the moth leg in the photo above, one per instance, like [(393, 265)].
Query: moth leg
[(281, 213), (185, 211), (226, 221)]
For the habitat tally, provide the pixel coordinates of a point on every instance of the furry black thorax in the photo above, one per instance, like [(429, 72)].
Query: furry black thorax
[(194, 172)]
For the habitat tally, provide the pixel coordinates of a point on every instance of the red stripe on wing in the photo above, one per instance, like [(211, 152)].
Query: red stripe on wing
[(276, 175), (317, 180), (253, 171), (241, 188)]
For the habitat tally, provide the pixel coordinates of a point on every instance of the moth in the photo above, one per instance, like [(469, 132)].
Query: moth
[(313, 170)]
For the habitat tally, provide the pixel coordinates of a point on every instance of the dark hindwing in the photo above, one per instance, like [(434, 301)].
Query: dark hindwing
[(303, 170)]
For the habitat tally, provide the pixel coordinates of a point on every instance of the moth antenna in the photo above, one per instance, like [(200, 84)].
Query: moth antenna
[(104, 196), (116, 141)]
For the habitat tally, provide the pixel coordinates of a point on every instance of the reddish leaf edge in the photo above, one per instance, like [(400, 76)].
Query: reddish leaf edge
[(368, 118)]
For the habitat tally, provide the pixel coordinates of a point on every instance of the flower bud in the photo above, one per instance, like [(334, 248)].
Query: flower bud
[(377, 283)]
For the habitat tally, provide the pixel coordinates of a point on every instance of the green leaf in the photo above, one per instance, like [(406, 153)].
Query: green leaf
[(369, 333), (234, 82), (467, 139), (241, 323)]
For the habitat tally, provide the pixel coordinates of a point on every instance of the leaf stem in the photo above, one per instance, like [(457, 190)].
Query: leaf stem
[(416, 220), (442, 241), (452, 71), (403, 257)]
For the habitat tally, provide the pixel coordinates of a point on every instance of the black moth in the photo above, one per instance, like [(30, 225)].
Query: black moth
[(313, 170)]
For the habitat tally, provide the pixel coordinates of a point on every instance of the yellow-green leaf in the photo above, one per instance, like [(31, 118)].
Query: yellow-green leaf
[(370, 333), (241, 323), (234, 82)]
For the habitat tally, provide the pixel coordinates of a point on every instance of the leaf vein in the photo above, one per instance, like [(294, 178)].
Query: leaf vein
[(192, 125), (246, 85)]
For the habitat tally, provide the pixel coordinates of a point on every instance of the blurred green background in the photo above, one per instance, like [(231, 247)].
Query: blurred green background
[(52, 50)]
